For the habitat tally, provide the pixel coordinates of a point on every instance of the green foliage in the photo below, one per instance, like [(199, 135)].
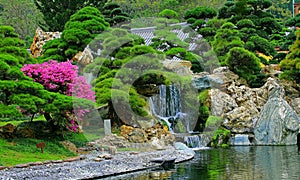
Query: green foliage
[(262, 45), (213, 121), (252, 19), (210, 29), (245, 23), (144, 8), (244, 63), (221, 135), (79, 31), (26, 151), (58, 13), (168, 13), (18, 94), (226, 38), (291, 64), (113, 14), (200, 13), (204, 110), (23, 15)]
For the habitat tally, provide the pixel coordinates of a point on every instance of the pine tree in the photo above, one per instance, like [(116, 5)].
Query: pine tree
[(79, 31), (58, 12), (19, 95), (291, 64)]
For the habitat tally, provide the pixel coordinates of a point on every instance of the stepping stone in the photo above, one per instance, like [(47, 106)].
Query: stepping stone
[(98, 159)]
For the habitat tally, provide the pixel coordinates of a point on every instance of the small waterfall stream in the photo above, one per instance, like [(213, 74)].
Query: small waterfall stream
[(192, 141), (167, 105), (196, 142)]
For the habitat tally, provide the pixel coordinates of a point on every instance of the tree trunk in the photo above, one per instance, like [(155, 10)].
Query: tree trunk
[(50, 120)]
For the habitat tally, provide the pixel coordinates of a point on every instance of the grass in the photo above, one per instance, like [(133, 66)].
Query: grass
[(17, 122), (23, 150), (93, 133)]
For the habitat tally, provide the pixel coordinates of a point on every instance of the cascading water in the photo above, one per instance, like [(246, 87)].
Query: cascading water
[(192, 141), (197, 142), (167, 105)]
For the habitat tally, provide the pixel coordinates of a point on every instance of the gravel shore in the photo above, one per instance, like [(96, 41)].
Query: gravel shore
[(94, 165)]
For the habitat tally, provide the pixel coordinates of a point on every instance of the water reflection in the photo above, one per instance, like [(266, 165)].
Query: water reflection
[(240, 162)]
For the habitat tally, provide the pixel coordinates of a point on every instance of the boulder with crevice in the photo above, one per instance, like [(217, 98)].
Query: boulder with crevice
[(278, 123), (220, 102), (295, 104)]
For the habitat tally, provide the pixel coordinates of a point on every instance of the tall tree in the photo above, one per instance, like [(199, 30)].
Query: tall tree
[(226, 38), (281, 9), (58, 12), (79, 31), (291, 64), (17, 92), (22, 15), (21, 97), (244, 63), (114, 14)]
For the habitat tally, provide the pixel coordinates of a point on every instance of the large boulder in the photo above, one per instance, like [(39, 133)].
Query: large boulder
[(241, 119), (180, 67), (249, 102), (295, 104), (222, 77), (143, 135), (278, 123), (220, 102)]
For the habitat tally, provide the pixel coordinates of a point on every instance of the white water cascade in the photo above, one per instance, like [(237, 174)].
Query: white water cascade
[(192, 141), (196, 142), (167, 105)]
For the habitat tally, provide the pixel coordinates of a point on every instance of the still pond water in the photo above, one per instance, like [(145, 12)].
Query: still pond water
[(234, 163)]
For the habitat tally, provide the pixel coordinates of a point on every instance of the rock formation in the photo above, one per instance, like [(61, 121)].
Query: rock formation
[(239, 105), (142, 135), (278, 123), (84, 57), (40, 39), (180, 67)]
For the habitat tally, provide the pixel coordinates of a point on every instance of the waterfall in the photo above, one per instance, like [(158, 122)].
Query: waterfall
[(197, 142), (192, 141), (167, 105)]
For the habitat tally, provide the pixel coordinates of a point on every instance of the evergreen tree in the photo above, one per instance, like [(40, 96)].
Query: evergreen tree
[(114, 15), (244, 63), (19, 95), (79, 31), (22, 15), (226, 38), (281, 9), (58, 12), (291, 64)]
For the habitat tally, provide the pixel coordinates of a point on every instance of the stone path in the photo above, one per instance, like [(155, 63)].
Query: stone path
[(88, 168)]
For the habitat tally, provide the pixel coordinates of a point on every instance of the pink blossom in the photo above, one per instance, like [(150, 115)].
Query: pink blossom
[(62, 77)]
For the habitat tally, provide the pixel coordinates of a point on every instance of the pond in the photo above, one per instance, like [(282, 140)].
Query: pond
[(239, 162)]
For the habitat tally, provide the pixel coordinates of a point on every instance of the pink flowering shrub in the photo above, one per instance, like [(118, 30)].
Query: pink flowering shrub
[(62, 77)]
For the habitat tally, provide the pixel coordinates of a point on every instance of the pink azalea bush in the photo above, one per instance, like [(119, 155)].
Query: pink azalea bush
[(62, 77)]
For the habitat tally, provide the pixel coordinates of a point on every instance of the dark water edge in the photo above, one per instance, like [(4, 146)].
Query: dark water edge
[(234, 163)]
